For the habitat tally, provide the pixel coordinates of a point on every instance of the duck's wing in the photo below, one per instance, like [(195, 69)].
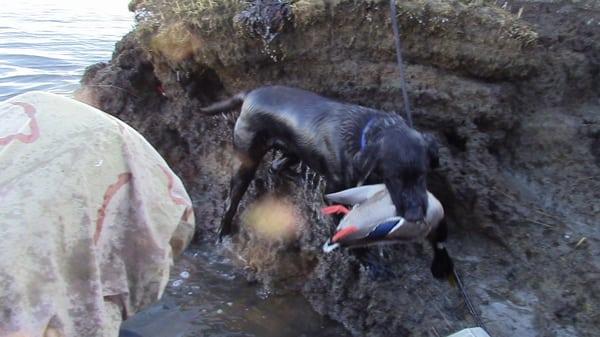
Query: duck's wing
[(356, 195)]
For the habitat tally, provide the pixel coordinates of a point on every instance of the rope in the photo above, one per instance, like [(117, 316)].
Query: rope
[(400, 63), (468, 302)]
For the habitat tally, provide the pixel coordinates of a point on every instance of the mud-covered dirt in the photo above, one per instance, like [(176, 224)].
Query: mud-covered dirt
[(511, 90)]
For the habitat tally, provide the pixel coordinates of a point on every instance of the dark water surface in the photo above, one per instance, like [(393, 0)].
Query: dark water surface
[(206, 296)]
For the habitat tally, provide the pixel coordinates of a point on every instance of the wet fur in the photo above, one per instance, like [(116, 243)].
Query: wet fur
[(326, 135)]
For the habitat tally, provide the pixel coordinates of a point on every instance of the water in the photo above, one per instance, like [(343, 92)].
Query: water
[(46, 45), (208, 296)]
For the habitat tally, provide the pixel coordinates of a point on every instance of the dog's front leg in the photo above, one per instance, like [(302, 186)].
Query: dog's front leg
[(442, 266), (280, 165), (239, 184), (334, 184)]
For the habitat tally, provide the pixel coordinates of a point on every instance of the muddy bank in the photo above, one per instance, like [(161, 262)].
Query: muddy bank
[(512, 94)]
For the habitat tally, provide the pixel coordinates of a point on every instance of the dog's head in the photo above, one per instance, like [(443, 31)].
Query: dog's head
[(401, 157)]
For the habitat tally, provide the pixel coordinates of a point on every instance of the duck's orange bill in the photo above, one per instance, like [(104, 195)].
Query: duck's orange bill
[(334, 209), (344, 232)]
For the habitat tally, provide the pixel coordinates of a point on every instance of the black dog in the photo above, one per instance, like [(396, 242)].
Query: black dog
[(347, 144)]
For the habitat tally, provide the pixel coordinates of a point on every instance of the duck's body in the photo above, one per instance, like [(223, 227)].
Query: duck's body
[(373, 218)]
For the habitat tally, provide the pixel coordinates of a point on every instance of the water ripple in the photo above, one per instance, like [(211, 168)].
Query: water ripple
[(46, 45)]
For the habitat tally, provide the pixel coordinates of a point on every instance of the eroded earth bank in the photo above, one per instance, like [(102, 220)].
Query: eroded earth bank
[(510, 89)]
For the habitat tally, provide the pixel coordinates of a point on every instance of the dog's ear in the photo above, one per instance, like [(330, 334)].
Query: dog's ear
[(433, 150), (365, 160)]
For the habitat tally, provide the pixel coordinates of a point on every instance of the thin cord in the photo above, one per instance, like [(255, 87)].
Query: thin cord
[(400, 63), (467, 300)]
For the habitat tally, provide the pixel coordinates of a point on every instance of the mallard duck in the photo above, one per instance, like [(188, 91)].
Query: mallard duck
[(373, 219)]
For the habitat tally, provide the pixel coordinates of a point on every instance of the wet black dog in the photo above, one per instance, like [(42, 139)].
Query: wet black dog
[(347, 144)]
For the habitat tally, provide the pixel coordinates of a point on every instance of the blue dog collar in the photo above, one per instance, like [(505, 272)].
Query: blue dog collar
[(363, 135)]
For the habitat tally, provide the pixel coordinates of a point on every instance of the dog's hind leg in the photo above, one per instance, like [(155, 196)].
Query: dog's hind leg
[(250, 150), (239, 184)]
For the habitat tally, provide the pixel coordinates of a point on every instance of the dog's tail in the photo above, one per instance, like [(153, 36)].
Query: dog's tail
[(230, 104)]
